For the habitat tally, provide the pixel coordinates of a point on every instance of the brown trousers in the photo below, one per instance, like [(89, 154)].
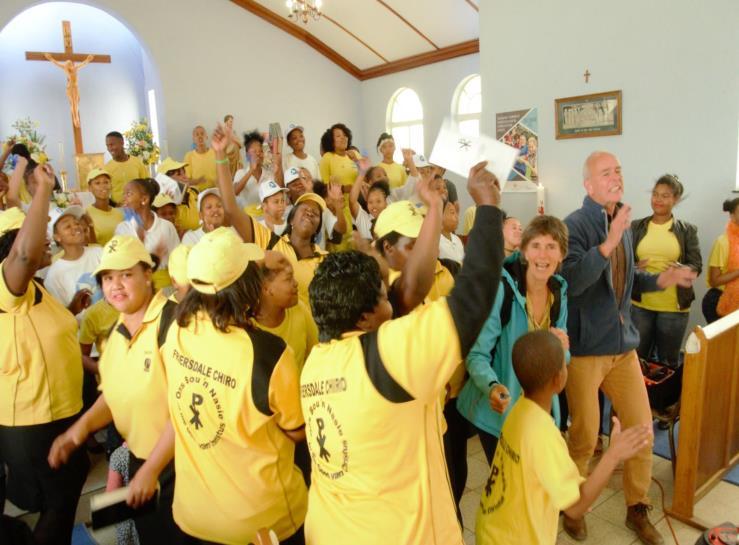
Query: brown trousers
[(621, 380)]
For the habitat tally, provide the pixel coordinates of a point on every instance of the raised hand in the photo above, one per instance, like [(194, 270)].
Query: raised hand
[(335, 196), (428, 195), (44, 175), (483, 186), (81, 300), (619, 224), (219, 139), (625, 444)]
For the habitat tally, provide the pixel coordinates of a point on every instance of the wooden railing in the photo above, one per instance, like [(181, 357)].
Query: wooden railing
[(708, 442)]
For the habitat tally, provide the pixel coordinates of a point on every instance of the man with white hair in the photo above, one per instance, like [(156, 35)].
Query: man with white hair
[(600, 271)]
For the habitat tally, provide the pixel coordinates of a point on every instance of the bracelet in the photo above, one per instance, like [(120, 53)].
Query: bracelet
[(222, 161)]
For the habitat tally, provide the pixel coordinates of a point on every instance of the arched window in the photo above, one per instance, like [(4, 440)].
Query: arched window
[(405, 121), (467, 105)]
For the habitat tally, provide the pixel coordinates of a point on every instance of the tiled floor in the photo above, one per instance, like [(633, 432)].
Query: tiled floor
[(605, 522)]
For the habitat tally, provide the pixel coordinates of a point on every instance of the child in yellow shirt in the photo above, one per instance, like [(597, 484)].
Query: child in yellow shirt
[(533, 477)]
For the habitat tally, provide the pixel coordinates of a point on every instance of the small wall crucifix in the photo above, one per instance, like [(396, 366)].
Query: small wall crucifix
[(587, 75)]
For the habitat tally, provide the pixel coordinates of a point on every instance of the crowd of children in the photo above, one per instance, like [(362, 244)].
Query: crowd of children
[(305, 346)]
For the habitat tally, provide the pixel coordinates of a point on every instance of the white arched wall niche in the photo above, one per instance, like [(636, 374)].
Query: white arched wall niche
[(112, 95)]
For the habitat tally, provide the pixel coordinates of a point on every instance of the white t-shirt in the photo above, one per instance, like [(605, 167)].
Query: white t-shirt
[(65, 278), (451, 249), (161, 234), (363, 223), (277, 229), (406, 192), (249, 196), (309, 163), (192, 237)]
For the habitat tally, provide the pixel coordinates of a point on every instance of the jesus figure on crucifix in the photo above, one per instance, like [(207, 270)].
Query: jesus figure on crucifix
[(73, 93)]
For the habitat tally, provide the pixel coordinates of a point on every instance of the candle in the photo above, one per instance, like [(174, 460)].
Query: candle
[(540, 194), (61, 156)]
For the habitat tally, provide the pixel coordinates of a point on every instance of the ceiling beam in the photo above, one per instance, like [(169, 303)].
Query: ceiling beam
[(407, 22), (414, 61), (443, 54), (474, 6)]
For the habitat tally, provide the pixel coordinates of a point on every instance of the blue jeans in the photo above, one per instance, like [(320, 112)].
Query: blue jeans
[(662, 331)]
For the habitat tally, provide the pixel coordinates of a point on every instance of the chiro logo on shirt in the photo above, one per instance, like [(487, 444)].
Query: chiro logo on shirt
[(199, 410), (328, 446)]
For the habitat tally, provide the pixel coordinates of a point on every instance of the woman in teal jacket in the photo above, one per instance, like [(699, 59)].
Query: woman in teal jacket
[(532, 296)]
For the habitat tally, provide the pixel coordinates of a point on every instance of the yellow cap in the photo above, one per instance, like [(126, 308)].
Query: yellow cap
[(219, 259), (313, 198), (177, 265), (123, 252), (402, 217), (170, 164), (11, 219), (95, 172), (162, 200)]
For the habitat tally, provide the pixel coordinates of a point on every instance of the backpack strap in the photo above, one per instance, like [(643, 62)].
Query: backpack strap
[(165, 321)]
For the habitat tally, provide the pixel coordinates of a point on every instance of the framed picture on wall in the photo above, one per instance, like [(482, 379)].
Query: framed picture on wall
[(588, 115)]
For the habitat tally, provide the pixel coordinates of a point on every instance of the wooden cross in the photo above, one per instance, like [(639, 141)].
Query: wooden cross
[(587, 75), (66, 61)]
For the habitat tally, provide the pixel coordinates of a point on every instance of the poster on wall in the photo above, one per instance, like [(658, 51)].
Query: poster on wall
[(520, 129)]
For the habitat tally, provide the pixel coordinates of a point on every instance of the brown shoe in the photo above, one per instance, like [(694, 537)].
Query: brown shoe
[(575, 528), (637, 519)]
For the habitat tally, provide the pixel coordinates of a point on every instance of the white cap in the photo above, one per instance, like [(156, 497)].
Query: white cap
[(420, 161), (58, 213), (291, 174), (290, 128), (269, 188), (203, 194)]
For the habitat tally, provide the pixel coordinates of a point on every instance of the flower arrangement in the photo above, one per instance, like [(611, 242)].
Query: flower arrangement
[(26, 133), (140, 142)]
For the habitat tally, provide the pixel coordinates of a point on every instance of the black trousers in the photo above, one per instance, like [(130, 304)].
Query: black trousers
[(34, 486), (158, 526), (298, 538), (455, 451)]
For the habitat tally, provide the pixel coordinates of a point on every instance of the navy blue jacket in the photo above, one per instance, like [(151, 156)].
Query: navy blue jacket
[(597, 324)]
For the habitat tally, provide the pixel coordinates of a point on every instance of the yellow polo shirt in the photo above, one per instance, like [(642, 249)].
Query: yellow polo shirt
[(374, 432), (531, 480), (298, 330), (230, 396), (303, 269), (123, 172), (661, 247), (104, 222), (719, 257), (396, 174), (97, 323), (469, 220), (202, 164), (133, 380), (188, 215), (346, 171), (40, 359)]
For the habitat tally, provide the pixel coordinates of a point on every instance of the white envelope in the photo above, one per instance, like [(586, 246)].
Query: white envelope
[(459, 153), (169, 186)]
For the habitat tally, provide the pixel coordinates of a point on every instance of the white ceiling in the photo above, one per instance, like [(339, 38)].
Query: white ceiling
[(372, 35)]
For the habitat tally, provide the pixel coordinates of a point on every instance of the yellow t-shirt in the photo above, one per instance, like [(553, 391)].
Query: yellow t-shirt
[(531, 480), (303, 269), (719, 257), (133, 380), (469, 220), (374, 429), (202, 164), (661, 247), (298, 330), (346, 171), (188, 215), (97, 323), (40, 359), (104, 222), (123, 172), (442, 286), (396, 174), (230, 396)]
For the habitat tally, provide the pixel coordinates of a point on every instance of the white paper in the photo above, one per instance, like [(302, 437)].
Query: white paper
[(459, 153), (169, 186)]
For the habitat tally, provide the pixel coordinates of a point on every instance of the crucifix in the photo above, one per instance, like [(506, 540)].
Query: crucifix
[(587, 75), (71, 62)]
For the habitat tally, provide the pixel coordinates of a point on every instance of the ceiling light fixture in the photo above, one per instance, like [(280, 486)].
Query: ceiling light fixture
[(304, 10)]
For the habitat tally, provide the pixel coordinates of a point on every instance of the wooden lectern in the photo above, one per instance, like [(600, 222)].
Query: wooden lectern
[(708, 443)]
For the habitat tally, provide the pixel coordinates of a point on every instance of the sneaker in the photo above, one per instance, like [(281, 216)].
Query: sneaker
[(637, 519), (575, 528)]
